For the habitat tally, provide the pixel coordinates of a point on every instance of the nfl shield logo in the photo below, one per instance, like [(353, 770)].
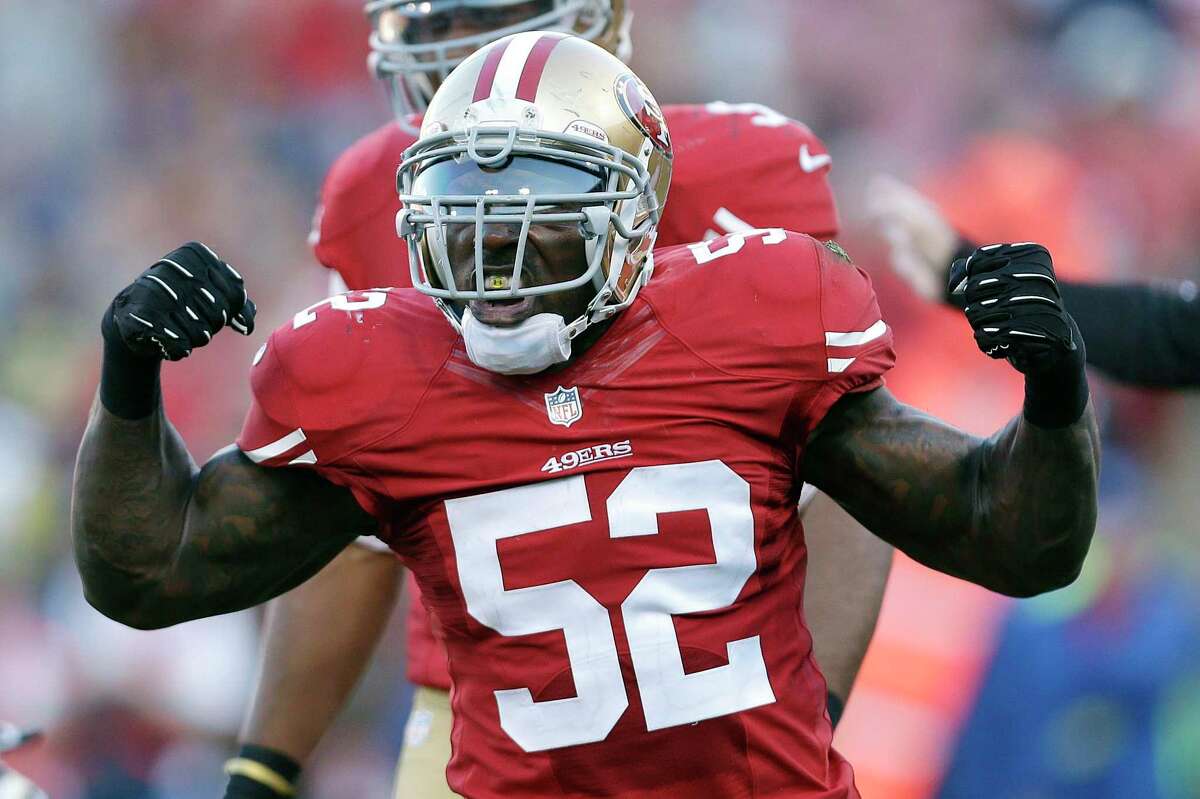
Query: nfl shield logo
[(564, 407)]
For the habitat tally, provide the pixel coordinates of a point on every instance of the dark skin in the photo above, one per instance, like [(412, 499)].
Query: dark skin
[(1013, 512), (159, 542)]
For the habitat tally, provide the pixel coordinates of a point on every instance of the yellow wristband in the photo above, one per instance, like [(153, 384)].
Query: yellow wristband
[(253, 770)]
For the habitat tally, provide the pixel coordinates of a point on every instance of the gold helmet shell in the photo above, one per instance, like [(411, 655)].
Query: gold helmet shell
[(542, 104)]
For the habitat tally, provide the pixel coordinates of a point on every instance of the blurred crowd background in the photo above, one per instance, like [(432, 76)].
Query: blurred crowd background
[(130, 126)]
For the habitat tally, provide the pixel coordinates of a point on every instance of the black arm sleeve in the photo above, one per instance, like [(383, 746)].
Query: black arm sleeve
[(1144, 335), (1140, 334)]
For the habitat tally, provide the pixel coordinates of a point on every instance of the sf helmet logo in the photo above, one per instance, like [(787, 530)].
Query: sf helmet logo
[(643, 111), (564, 406)]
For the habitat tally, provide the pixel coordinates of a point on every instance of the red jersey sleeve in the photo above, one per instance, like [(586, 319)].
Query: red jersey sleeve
[(775, 305), (745, 166), (354, 227), (272, 433), (278, 431), (857, 341), (340, 375)]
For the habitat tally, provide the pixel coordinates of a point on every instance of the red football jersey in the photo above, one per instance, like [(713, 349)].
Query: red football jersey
[(736, 167), (613, 550)]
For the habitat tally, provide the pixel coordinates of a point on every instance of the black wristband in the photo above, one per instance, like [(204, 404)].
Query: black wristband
[(129, 385), (963, 248), (1057, 397), (834, 706), (259, 772)]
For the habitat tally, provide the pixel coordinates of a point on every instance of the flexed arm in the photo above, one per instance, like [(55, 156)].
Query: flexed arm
[(158, 540), (1015, 512)]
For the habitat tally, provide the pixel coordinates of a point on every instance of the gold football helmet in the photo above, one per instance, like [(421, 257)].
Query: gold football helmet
[(538, 128), (414, 45)]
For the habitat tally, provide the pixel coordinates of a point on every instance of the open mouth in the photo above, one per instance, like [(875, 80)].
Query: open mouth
[(502, 313)]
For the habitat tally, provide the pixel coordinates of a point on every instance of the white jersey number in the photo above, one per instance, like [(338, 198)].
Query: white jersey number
[(734, 242), (340, 302), (763, 116), (670, 697)]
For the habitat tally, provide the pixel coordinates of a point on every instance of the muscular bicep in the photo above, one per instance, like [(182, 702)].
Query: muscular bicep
[(900, 472), (1014, 512), (250, 533)]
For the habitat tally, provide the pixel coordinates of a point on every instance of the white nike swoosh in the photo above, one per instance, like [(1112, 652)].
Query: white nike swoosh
[(810, 162)]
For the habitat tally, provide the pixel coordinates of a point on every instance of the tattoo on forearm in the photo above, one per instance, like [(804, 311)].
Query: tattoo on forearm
[(158, 541), (1014, 512)]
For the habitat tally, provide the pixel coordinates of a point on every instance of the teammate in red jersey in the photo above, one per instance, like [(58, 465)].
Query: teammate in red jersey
[(780, 180), (592, 474)]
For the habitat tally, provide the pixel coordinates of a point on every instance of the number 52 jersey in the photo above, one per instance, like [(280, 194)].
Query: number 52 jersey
[(613, 549)]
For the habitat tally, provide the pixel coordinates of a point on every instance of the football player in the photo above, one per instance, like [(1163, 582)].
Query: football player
[(1140, 334), (588, 453), (780, 179)]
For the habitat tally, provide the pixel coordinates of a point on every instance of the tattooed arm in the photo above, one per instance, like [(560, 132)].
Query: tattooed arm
[(1013, 513), (159, 541)]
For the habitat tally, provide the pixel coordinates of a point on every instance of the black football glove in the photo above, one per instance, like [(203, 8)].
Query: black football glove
[(1012, 301), (178, 304)]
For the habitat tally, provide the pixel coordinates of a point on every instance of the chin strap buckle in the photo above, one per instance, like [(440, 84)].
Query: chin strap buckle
[(573, 330)]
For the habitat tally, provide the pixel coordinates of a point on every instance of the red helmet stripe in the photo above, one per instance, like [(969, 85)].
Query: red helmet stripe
[(535, 65), (487, 76)]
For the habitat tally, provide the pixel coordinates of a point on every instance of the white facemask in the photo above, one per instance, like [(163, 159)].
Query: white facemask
[(539, 342)]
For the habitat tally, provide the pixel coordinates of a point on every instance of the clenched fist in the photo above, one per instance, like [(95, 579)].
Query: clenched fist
[(178, 304), (1013, 303)]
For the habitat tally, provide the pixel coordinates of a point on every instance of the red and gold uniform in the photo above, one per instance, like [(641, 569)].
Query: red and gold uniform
[(612, 550), (780, 179)]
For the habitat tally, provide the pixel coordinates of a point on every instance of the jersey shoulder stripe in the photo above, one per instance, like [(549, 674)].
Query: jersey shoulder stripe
[(277, 447)]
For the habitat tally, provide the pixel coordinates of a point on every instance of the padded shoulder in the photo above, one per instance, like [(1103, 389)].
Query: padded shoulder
[(745, 166), (344, 372), (769, 303)]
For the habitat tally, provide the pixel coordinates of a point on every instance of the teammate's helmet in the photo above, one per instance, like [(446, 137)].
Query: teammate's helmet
[(410, 50), (538, 128)]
